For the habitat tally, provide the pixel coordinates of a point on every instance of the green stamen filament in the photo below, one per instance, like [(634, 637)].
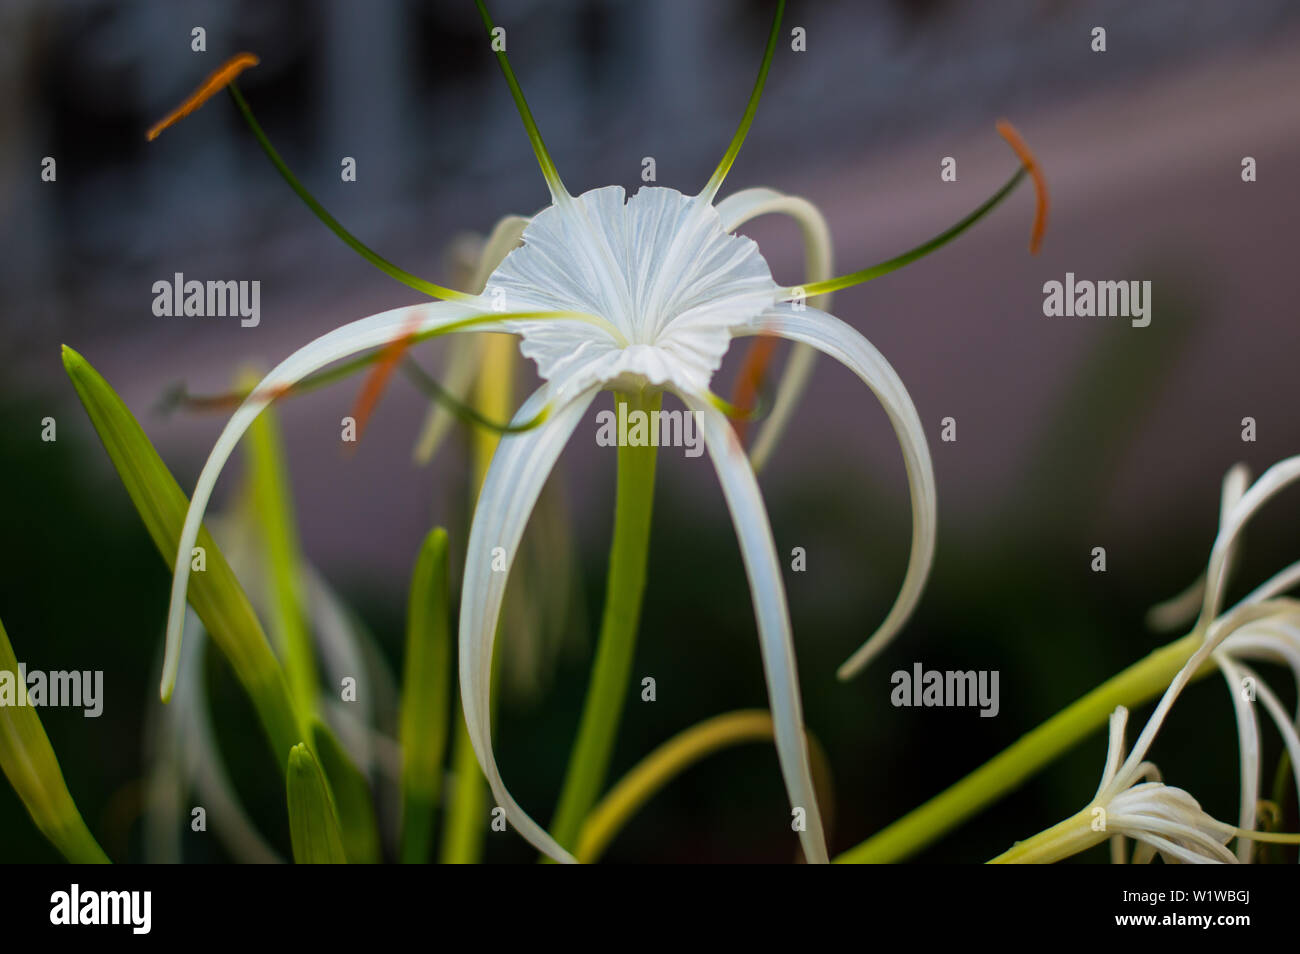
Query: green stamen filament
[(549, 172), (371, 256), (738, 140), (875, 271)]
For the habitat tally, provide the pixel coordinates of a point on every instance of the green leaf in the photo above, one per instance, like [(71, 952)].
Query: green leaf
[(215, 593), (352, 798), (313, 821), (33, 770), (273, 505), (426, 689)]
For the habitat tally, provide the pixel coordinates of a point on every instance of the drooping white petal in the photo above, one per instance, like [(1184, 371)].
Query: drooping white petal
[(350, 339), (194, 743), (1270, 482), (1284, 724), (840, 341), (1248, 745), (1268, 639), (736, 210), (1181, 609), (1275, 585), (744, 500), (1219, 630), (514, 480)]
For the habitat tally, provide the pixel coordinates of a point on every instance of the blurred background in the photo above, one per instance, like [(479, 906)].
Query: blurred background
[(1072, 433)]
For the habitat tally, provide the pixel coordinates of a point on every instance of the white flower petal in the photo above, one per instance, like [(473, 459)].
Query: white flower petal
[(514, 480), (840, 341), (736, 210), (1114, 749), (350, 339), (1181, 609), (740, 488), (1271, 640), (1285, 726), (1270, 482), (1220, 630), (1248, 745)]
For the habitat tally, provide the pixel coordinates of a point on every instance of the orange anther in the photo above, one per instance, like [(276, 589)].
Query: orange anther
[(373, 387), (751, 376), (1008, 132), (219, 79)]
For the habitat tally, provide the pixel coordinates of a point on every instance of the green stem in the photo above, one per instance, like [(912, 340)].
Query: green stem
[(625, 587), (1062, 840), (1142, 681)]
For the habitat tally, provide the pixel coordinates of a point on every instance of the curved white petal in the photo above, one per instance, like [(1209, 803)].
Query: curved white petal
[(840, 341), (1284, 725), (749, 515), (205, 769), (1275, 585), (1270, 482), (514, 480), (735, 211), (1218, 632), (1114, 748), (350, 339), (1181, 609), (1269, 639), (1248, 745)]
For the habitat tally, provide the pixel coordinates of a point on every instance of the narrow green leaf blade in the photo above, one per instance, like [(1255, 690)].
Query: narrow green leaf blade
[(313, 821), (426, 690), (214, 593), (33, 770), (352, 799)]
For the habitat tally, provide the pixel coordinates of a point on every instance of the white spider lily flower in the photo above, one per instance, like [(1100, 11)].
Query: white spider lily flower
[(677, 288), (632, 294), (1273, 637), (1133, 802)]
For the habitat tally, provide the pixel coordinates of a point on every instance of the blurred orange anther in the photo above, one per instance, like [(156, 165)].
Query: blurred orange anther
[(219, 79), (373, 387), (1008, 132), (750, 379)]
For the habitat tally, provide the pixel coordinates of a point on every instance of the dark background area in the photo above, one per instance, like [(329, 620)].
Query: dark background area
[(1072, 433)]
